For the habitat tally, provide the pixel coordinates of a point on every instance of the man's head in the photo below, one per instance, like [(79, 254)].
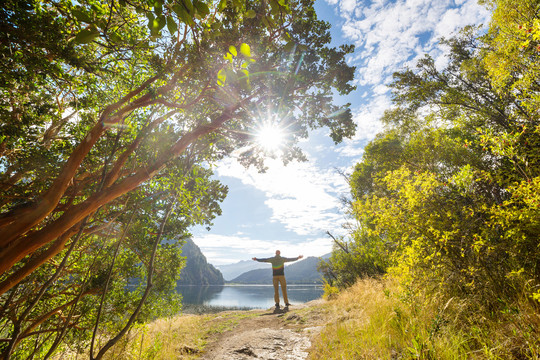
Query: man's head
[(278, 252)]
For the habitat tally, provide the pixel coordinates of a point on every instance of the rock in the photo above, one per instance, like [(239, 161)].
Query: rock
[(188, 350), (293, 317), (246, 350)]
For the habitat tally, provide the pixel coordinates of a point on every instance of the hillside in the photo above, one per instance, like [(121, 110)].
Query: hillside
[(301, 272), (197, 270), (232, 271)]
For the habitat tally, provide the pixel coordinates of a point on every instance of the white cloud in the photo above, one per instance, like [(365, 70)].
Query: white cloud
[(393, 35), (348, 5), (301, 196), (367, 119), (389, 34)]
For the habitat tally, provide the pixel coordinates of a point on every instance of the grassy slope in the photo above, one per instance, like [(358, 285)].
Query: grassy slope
[(378, 320)]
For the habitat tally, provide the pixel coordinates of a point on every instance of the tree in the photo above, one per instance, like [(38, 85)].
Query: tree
[(449, 186)]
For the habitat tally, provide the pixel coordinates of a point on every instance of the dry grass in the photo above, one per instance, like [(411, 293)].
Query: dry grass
[(374, 319), (178, 337), (377, 320), (170, 338)]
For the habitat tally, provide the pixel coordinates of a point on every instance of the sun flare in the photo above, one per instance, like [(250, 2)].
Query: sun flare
[(270, 137)]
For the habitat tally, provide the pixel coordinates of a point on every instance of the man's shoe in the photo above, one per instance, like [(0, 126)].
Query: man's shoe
[(287, 304), (277, 305)]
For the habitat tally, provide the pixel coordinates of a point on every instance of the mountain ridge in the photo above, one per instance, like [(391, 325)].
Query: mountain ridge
[(198, 271), (231, 271), (300, 272)]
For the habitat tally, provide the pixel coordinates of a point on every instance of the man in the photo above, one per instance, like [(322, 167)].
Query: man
[(278, 267)]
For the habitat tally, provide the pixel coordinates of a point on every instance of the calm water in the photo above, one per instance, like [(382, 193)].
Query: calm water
[(246, 296)]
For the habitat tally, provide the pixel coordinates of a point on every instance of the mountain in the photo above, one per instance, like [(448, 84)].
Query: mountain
[(197, 270), (231, 271), (301, 272)]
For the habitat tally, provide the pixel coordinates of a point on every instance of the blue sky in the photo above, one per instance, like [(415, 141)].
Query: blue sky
[(291, 207)]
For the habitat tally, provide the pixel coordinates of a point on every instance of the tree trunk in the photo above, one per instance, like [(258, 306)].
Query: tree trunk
[(26, 245)]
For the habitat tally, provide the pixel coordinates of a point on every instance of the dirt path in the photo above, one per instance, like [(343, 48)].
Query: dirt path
[(267, 335)]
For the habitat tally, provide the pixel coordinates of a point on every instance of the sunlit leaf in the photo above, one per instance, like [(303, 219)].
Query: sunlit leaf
[(221, 77), (161, 22), (245, 50)]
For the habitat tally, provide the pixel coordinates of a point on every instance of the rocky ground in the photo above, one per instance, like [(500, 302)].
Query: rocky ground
[(270, 334)]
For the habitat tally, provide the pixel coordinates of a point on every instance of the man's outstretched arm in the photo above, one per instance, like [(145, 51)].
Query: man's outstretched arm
[(293, 259), (262, 260)]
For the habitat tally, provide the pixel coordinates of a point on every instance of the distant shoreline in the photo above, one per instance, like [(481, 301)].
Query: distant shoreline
[(241, 284)]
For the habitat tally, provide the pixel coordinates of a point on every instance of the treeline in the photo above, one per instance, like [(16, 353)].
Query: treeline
[(447, 197), (112, 116)]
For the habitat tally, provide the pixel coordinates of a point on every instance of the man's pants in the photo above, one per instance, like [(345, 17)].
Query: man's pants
[(280, 279)]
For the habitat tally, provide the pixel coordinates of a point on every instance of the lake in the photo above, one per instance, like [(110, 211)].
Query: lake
[(244, 296)]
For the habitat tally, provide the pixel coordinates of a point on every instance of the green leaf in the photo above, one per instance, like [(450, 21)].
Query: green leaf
[(81, 16), (115, 37), (268, 22), (171, 25), (161, 22), (158, 9), (154, 24), (275, 7), (245, 50), (243, 79), (201, 7), (233, 51), (183, 14), (250, 14), (189, 6), (87, 35)]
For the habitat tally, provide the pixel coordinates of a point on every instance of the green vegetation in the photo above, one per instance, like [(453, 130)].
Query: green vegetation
[(447, 201), (381, 320), (197, 270), (112, 114)]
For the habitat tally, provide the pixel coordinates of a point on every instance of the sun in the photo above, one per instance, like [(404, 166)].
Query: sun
[(270, 137)]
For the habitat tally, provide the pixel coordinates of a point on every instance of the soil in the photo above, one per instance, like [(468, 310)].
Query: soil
[(271, 335)]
